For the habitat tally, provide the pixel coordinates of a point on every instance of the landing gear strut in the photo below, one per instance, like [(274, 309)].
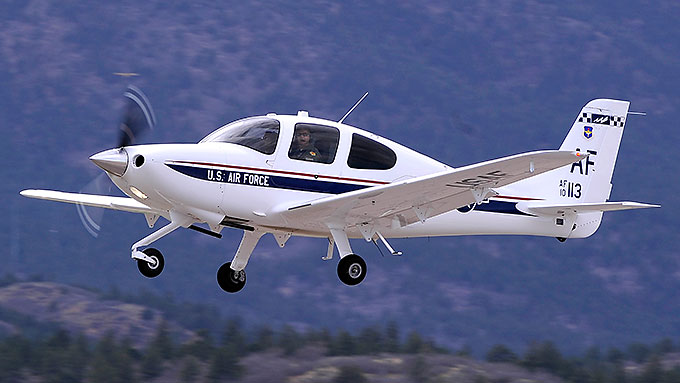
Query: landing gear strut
[(230, 280)]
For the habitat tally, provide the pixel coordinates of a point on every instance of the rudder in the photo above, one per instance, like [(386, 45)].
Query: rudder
[(598, 130)]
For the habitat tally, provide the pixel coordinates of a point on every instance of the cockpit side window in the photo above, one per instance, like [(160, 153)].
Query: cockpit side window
[(368, 154), (316, 143), (257, 133)]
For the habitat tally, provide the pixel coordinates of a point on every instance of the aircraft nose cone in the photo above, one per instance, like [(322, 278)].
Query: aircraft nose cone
[(114, 161)]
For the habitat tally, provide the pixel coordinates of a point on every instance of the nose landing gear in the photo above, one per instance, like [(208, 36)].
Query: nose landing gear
[(152, 267)]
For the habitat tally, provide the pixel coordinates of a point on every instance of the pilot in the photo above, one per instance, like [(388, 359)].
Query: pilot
[(303, 148)]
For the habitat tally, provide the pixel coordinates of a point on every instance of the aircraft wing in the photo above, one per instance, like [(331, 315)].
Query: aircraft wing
[(108, 202), (588, 207), (405, 202)]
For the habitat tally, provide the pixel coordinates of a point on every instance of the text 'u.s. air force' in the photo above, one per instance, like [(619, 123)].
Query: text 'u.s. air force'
[(242, 178)]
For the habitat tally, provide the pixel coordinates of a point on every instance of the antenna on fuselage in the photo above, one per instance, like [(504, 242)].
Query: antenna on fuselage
[(355, 105)]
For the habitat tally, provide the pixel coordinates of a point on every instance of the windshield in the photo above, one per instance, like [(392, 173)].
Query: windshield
[(257, 133)]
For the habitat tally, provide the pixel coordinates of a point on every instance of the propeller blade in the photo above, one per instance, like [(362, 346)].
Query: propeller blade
[(91, 217), (137, 118)]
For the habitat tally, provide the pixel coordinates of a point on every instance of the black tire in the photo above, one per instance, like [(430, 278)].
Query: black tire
[(352, 270), (151, 270), (229, 280)]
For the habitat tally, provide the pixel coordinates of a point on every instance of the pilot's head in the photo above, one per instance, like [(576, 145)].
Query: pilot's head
[(302, 136)]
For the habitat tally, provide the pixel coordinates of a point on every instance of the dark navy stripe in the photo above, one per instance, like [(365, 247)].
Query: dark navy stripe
[(313, 185), (262, 180), (502, 207)]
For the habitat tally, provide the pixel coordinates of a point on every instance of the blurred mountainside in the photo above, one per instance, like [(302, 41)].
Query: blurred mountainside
[(56, 332), (460, 82)]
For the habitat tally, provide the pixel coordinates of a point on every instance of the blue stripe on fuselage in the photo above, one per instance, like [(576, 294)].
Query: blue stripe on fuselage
[(262, 180), (316, 186), (503, 207)]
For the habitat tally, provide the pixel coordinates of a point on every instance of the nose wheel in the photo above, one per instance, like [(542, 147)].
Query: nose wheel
[(230, 280), (352, 269), (154, 266)]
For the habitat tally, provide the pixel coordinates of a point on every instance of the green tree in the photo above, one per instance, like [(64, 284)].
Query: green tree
[(225, 365), (638, 352), (617, 374), (664, 346), (672, 375), (111, 362), (289, 340), (614, 355), (342, 344), (414, 343), (233, 336), (63, 359), (653, 372), (264, 339), (15, 354), (501, 354), (392, 338), (370, 341), (190, 370), (543, 356), (418, 370), (158, 350), (202, 346), (350, 374)]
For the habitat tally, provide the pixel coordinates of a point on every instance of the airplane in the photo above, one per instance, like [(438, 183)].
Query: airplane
[(298, 175)]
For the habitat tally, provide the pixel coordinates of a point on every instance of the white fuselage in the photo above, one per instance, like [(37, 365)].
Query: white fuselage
[(214, 182)]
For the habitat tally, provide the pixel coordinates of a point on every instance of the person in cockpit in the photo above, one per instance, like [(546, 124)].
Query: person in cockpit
[(303, 147)]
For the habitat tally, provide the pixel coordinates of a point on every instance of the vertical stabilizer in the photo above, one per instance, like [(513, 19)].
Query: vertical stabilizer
[(597, 130)]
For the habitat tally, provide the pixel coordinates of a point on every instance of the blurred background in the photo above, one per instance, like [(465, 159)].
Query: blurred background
[(462, 82)]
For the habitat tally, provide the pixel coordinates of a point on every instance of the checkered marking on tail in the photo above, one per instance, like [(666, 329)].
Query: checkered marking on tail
[(593, 118)]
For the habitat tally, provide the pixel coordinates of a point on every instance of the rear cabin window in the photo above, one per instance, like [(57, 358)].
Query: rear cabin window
[(314, 143), (368, 154), (257, 133)]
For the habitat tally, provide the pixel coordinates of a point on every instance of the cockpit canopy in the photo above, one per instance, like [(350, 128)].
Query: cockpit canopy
[(257, 133), (311, 142)]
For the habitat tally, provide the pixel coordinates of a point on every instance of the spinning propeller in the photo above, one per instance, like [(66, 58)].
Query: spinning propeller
[(137, 118)]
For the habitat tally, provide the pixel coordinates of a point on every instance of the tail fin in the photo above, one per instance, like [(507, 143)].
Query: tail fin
[(577, 193), (597, 130)]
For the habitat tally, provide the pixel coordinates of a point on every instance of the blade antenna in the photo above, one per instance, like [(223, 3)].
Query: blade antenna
[(352, 109)]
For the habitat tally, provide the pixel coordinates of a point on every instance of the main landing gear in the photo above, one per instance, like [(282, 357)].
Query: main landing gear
[(351, 269), (231, 276), (230, 280)]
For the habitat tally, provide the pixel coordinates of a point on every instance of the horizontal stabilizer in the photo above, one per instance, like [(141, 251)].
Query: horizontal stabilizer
[(588, 207), (108, 202)]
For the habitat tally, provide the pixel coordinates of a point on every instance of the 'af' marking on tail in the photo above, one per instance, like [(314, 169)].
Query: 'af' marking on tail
[(588, 162)]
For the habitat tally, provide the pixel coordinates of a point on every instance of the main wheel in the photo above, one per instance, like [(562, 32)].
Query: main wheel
[(151, 270), (230, 280), (352, 269)]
